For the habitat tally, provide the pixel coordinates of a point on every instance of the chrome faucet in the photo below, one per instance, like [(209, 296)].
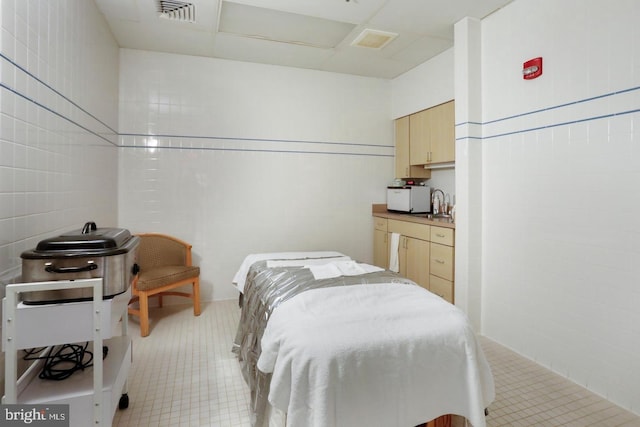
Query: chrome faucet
[(440, 202)]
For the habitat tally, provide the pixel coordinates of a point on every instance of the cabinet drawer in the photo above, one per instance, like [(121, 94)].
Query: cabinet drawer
[(380, 223), (441, 287), (441, 261), (411, 229), (442, 235)]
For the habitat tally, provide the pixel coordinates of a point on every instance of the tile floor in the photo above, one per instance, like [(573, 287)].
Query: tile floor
[(528, 394), (184, 374)]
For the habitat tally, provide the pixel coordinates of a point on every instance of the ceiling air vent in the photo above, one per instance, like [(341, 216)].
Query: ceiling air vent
[(176, 10), (373, 39)]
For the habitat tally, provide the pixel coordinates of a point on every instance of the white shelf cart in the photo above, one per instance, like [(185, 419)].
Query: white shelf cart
[(92, 394)]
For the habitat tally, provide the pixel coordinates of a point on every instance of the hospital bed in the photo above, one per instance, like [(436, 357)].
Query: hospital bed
[(326, 341)]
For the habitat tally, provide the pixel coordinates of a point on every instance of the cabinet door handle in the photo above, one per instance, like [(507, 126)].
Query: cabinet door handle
[(439, 261), (439, 235)]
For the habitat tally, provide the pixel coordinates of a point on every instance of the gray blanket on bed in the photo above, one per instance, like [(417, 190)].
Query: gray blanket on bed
[(264, 290)]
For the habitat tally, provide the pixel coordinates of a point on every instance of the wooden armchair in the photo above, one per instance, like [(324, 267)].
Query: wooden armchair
[(165, 264)]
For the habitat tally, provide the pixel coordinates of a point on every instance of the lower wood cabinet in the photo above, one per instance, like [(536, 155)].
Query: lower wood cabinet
[(416, 254), (441, 261), (380, 243), (441, 287), (425, 253)]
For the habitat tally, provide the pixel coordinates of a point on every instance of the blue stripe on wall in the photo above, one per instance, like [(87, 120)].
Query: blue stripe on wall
[(205, 138), (298, 141), (604, 116), (258, 150), (37, 79), (33, 101), (552, 125)]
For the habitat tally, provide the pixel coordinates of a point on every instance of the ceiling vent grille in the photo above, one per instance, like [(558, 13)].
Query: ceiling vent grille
[(176, 10), (373, 39)]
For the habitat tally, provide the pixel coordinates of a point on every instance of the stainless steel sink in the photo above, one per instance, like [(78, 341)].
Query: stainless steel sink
[(438, 216)]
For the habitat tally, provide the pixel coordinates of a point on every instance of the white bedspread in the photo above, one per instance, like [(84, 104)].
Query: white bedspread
[(376, 355), (241, 275)]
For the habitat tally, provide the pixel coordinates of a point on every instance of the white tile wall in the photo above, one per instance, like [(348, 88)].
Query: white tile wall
[(58, 121), (560, 197), (239, 158)]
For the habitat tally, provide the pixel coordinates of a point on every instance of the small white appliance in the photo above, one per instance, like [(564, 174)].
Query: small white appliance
[(409, 199)]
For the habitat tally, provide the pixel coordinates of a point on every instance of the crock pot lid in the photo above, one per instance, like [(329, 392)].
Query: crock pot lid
[(100, 238)]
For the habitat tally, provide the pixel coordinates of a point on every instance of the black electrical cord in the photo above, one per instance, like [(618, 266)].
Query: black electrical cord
[(62, 361)]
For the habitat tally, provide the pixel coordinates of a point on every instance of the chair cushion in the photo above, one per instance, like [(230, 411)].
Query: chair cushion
[(161, 276)]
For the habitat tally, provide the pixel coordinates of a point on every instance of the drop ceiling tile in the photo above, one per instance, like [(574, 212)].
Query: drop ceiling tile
[(280, 26), (353, 11), (170, 38), (432, 17), (421, 49), (266, 52), (363, 63), (431, 21), (119, 9)]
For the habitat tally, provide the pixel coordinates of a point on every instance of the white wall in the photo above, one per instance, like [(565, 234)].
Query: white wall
[(58, 101), (561, 201), (426, 85), (58, 155), (251, 158), (468, 89)]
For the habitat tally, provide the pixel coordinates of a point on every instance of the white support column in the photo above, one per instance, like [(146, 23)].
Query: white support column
[(468, 96)]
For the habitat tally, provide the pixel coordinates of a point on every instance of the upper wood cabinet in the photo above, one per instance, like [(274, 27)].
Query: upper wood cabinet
[(432, 135), (420, 124), (404, 169), (443, 134)]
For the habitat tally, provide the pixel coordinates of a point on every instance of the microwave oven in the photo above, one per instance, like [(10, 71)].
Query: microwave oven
[(409, 199)]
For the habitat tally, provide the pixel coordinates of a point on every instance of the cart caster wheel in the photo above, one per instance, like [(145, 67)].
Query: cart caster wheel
[(124, 401)]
